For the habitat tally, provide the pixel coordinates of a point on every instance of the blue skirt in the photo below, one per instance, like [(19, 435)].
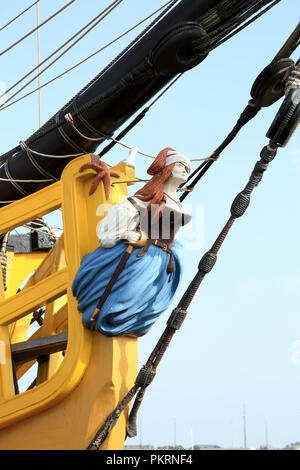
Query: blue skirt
[(141, 293)]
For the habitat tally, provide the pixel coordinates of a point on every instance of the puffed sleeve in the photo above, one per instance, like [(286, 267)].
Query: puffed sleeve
[(119, 218)]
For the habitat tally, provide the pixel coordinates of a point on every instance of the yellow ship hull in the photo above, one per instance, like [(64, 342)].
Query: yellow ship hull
[(82, 380)]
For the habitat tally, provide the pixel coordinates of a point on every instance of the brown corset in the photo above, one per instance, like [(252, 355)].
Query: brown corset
[(160, 231)]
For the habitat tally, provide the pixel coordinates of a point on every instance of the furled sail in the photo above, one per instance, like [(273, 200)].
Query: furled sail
[(177, 42)]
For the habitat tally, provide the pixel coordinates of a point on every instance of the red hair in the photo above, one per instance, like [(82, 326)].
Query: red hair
[(153, 191)]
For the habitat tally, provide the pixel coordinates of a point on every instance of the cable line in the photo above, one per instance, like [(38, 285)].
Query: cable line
[(249, 112), (84, 60), (18, 16), (102, 15), (136, 120), (54, 52), (39, 60), (35, 29), (220, 39)]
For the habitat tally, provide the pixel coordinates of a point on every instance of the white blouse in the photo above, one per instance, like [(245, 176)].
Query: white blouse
[(120, 218)]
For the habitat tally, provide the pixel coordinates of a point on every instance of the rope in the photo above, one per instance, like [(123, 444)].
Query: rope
[(42, 223), (290, 44), (39, 61), (52, 54), (69, 119), (3, 255), (18, 16), (14, 183), (169, 4), (27, 181), (137, 119), (249, 112), (292, 81), (132, 181), (86, 59), (241, 19), (38, 27), (24, 146), (35, 229), (102, 15), (3, 258)]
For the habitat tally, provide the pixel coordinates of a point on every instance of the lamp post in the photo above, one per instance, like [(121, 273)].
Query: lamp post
[(141, 439), (267, 438), (175, 443), (192, 438), (244, 422)]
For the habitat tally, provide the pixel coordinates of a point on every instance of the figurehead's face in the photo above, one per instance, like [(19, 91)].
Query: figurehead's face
[(180, 172)]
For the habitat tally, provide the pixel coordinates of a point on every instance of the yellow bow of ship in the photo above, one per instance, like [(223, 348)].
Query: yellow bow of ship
[(78, 376)]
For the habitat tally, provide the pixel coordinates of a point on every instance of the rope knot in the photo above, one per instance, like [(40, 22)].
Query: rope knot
[(207, 262), (240, 204), (23, 146), (69, 118)]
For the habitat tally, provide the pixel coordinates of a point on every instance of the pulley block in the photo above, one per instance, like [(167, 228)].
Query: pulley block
[(286, 119), (269, 86), (180, 49)]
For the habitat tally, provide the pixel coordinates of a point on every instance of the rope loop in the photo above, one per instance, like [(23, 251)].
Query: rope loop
[(25, 148)]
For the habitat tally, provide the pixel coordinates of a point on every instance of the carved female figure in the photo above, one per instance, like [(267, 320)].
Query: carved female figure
[(147, 284)]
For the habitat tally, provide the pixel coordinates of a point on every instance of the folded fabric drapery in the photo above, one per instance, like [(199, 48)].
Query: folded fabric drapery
[(142, 292)]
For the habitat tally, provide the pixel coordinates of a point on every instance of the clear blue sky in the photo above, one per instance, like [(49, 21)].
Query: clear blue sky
[(239, 341)]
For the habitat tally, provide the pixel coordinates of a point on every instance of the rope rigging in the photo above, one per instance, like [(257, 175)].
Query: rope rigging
[(208, 21), (38, 27), (249, 112), (70, 120), (38, 225), (4, 106), (99, 18), (236, 21), (279, 76), (18, 16), (259, 92)]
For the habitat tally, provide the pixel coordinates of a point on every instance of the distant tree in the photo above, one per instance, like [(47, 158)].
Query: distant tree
[(292, 446), (204, 446)]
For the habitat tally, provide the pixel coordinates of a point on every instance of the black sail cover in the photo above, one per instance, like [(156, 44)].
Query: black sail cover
[(176, 43)]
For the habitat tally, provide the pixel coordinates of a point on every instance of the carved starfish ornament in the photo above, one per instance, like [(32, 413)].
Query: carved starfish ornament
[(103, 174)]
